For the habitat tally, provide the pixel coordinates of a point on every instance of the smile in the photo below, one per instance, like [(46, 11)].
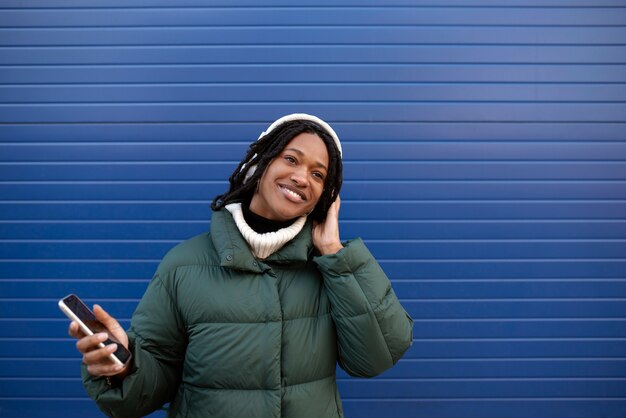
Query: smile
[(295, 195)]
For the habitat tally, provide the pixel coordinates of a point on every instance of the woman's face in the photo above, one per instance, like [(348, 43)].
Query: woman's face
[(293, 182)]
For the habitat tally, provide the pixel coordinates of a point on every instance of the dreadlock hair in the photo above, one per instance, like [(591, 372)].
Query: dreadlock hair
[(262, 152)]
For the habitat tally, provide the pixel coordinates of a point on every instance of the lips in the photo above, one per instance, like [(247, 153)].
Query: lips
[(292, 192)]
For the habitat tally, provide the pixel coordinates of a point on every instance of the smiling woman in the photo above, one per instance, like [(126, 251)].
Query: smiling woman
[(293, 183), (251, 319), (325, 156)]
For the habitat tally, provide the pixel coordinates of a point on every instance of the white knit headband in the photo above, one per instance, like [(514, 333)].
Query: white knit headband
[(289, 118), (304, 116)]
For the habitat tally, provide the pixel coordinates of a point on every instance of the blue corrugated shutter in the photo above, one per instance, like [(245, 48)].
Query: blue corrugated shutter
[(484, 161)]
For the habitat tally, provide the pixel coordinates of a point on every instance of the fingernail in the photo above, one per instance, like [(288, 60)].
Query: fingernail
[(102, 336), (112, 347)]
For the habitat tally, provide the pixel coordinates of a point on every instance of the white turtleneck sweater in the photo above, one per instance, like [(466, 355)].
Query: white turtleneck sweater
[(264, 245)]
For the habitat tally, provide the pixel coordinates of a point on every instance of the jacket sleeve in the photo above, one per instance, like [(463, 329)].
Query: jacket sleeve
[(158, 344), (373, 330)]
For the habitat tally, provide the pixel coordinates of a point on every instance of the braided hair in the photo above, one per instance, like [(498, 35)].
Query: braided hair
[(262, 152)]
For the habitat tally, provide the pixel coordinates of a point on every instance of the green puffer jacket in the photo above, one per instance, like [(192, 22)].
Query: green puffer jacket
[(221, 334)]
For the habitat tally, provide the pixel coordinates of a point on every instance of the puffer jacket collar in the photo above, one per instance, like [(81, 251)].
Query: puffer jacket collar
[(235, 253)]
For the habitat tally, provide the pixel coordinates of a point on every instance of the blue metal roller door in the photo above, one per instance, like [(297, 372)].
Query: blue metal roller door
[(484, 161)]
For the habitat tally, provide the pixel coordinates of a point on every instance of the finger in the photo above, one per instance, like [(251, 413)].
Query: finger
[(99, 362), (74, 330), (100, 355), (333, 211), (107, 320), (101, 369), (115, 329), (91, 342), (335, 206)]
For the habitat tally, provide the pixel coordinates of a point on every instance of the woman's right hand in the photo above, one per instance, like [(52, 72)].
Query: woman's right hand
[(97, 359)]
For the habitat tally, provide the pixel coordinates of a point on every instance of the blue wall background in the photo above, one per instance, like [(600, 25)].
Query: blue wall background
[(485, 150)]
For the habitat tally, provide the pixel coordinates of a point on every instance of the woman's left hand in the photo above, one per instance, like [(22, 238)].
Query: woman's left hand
[(326, 233)]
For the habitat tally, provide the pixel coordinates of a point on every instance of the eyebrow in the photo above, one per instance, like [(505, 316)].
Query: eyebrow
[(300, 153)]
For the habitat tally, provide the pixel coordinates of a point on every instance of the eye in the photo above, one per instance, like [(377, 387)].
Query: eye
[(290, 159), (318, 175)]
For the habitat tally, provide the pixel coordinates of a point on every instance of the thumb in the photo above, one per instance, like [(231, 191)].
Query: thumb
[(106, 319), (115, 329)]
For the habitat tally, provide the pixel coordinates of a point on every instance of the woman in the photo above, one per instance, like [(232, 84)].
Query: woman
[(251, 319)]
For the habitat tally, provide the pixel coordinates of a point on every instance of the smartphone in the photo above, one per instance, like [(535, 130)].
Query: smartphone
[(77, 311)]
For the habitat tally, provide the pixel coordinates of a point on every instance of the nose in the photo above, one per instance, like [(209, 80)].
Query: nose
[(299, 177)]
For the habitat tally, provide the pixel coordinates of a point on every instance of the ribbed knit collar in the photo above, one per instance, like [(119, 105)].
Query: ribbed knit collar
[(264, 245)]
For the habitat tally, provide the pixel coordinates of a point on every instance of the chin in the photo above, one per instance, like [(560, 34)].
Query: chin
[(287, 210), (285, 216), (294, 212)]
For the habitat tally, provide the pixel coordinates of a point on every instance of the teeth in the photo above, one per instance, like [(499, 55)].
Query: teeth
[(296, 195)]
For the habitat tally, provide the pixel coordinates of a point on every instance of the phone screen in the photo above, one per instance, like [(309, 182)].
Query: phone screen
[(84, 314)]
